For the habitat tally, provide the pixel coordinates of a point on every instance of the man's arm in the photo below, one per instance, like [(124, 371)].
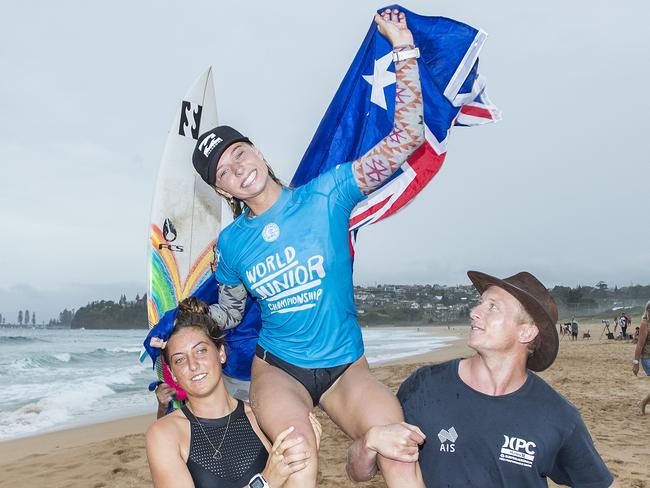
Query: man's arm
[(378, 164), (229, 310), (396, 441)]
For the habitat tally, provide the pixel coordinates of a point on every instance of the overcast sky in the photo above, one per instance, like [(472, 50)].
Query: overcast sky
[(88, 91)]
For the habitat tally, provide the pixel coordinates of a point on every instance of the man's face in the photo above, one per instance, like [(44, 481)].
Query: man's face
[(241, 172), (495, 322)]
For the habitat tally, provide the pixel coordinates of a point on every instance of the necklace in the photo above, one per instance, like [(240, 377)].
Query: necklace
[(217, 452)]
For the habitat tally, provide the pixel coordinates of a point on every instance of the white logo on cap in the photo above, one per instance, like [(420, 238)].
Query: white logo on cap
[(271, 232), (209, 143)]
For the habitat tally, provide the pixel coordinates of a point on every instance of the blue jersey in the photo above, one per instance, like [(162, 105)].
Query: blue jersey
[(295, 260)]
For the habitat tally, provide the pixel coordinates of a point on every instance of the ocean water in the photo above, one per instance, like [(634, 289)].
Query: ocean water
[(54, 379)]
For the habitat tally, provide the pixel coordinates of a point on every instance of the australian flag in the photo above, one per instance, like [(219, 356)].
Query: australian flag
[(361, 113)]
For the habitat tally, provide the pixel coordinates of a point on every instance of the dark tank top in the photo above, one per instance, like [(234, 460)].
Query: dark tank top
[(242, 453)]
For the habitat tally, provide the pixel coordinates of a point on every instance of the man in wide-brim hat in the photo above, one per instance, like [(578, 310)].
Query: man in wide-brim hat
[(489, 420)]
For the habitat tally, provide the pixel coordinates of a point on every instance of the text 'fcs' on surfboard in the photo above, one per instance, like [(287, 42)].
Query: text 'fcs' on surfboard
[(171, 247)]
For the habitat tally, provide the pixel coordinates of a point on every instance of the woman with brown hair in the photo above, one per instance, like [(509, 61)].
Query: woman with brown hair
[(213, 440), (642, 352)]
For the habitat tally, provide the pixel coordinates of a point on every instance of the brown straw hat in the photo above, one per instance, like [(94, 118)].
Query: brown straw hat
[(538, 302)]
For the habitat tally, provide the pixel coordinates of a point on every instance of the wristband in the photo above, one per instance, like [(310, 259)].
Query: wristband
[(258, 481), (635, 361), (406, 54)]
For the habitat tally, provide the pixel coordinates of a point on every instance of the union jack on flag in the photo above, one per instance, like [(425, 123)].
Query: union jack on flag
[(361, 113)]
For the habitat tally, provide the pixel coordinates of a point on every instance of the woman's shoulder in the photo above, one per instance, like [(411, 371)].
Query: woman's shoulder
[(168, 429)]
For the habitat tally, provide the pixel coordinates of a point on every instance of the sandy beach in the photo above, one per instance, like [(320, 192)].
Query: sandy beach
[(594, 374)]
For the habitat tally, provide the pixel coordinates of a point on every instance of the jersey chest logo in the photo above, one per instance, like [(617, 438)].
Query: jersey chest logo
[(518, 451), (270, 232), (447, 439)]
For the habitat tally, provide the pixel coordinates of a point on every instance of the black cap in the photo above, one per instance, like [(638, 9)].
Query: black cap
[(210, 147)]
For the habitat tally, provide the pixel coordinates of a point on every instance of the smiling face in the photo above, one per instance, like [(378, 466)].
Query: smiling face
[(241, 172), (195, 361), (500, 324)]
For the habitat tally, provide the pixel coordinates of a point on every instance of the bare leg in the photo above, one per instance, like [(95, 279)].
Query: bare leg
[(644, 403), (356, 402), (280, 401)]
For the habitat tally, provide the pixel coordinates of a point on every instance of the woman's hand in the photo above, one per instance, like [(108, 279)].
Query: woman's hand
[(157, 342), (392, 25), (635, 369), (164, 395), (279, 467)]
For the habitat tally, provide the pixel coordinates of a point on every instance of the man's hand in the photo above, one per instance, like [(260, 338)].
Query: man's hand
[(396, 441), (635, 369), (392, 25)]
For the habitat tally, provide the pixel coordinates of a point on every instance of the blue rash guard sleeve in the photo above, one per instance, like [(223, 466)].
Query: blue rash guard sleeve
[(225, 275)]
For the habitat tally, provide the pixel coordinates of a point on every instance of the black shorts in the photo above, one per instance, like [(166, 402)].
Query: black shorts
[(315, 380)]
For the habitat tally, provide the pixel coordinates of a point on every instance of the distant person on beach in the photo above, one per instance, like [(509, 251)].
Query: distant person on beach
[(642, 353), (622, 323), (214, 440), (574, 330), (289, 249), (489, 420)]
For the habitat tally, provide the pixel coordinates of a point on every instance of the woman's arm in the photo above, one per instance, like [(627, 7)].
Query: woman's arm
[(378, 164), (229, 310), (643, 336), (280, 466), (168, 470)]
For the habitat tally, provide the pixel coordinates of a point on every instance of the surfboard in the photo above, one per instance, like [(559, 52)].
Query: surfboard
[(185, 220), (185, 212)]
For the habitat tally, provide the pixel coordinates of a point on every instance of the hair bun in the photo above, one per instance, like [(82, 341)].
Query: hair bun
[(193, 305)]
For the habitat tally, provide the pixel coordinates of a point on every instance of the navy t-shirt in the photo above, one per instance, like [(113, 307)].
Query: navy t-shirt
[(515, 440)]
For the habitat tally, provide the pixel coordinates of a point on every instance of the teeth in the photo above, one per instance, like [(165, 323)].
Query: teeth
[(199, 377), (250, 179)]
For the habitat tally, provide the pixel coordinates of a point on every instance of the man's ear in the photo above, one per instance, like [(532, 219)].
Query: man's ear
[(527, 333)]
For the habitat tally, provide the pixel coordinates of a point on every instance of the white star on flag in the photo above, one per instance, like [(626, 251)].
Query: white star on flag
[(380, 79)]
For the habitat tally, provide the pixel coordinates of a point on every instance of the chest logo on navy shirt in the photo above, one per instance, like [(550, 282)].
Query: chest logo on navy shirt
[(270, 232), (447, 439), (517, 451)]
